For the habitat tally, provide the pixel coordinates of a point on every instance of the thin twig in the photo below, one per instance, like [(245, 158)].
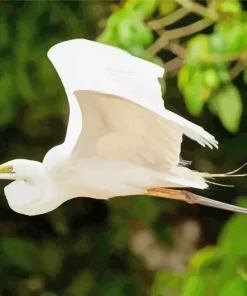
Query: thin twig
[(178, 33), (237, 69), (168, 20), (224, 57), (173, 46), (173, 64), (158, 44), (199, 9), (177, 49)]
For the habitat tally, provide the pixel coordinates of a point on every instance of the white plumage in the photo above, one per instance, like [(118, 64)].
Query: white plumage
[(120, 138)]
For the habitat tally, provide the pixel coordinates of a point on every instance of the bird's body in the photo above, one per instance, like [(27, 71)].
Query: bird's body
[(120, 139)]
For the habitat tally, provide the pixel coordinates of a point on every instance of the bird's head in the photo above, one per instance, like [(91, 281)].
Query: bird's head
[(20, 169), (30, 189)]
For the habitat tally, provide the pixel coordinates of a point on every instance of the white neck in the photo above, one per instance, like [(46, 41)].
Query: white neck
[(32, 192)]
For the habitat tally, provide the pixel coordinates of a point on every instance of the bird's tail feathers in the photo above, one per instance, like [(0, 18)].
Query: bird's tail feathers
[(208, 176), (225, 175)]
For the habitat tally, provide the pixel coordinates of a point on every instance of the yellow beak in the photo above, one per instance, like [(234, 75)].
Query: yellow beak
[(6, 169)]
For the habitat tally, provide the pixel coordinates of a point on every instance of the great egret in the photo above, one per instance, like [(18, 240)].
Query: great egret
[(120, 138)]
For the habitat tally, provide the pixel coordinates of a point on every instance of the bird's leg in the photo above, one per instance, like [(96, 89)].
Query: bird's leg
[(193, 199)]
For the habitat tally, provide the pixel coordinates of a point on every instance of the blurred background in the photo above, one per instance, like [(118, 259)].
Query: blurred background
[(136, 246)]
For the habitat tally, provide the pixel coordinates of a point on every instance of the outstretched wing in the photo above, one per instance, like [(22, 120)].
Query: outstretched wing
[(117, 100)]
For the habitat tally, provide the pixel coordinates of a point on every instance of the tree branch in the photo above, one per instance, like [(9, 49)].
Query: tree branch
[(237, 69), (225, 57), (177, 49), (199, 9), (173, 64), (168, 20), (178, 33)]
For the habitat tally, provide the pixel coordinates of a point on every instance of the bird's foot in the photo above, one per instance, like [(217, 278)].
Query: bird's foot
[(192, 198), (172, 194)]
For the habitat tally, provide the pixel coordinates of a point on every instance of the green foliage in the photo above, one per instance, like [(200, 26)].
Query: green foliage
[(216, 270), (166, 283), (52, 258), (197, 49), (167, 7), (206, 257), (211, 78), (82, 284), (127, 30), (236, 284), (237, 31), (207, 62), (229, 107), (210, 56), (144, 9), (230, 9), (19, 253), (144, 209), (232, 239), (193, 286), (194, 94)]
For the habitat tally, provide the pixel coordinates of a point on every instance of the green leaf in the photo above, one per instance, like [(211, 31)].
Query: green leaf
[(125, 32), (218, 47), (19, 253), (231, 8), (134, 32), (138, 51), (183, 78), (167, 7), (194, 286), (237, 42), (212, 104), (217, 44), (145, 209), (82, 284), (193, 94), (197, 49), (227, 270), (143, 8), (206, 257), (230, 107), (233, 238), (142, 34), (166, 283), (211, 78), (52, 258), (236, 286)]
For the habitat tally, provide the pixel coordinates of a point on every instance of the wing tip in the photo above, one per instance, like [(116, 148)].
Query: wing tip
[(205, 139), (209, 140), (72, 45)]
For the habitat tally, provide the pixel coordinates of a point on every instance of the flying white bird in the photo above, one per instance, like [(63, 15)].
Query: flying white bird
[(120, 138)]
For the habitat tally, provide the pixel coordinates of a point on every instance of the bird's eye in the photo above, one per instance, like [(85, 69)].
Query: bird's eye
[(9, 169)]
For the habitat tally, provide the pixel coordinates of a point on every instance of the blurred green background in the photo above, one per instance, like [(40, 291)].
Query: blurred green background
[(136, 246)]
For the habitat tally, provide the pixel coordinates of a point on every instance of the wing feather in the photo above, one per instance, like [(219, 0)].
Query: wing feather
[(117, 128), (119, 98)]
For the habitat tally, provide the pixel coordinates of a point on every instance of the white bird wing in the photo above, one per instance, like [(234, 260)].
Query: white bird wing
[(117, 100)]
